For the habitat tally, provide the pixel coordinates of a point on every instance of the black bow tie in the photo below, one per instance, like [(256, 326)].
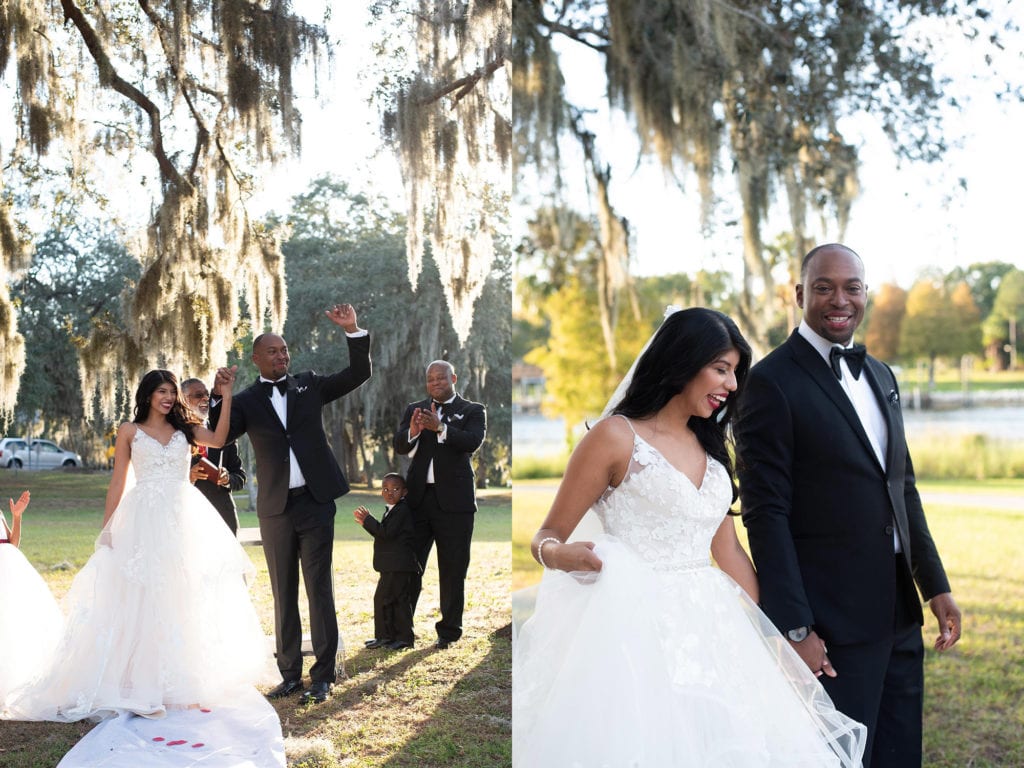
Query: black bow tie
[(281, 385), (438, 404), (854, 359)]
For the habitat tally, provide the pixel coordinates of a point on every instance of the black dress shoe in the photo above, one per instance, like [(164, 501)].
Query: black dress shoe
[(317, 693), (443, 643), (399, 645), (382, 643), (287, 688)]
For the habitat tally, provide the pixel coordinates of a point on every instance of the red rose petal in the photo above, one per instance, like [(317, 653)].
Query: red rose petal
[(204, 710), (158, 738), (175, 743), (198, 744)]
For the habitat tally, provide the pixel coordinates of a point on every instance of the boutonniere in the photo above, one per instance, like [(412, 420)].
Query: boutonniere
[(894, 398)]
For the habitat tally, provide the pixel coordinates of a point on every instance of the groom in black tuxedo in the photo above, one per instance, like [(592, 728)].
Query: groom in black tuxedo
[(298, 480), (440, 434), (833, 516)]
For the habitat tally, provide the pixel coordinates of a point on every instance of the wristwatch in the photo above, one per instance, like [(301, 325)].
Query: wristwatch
[(799, 634)]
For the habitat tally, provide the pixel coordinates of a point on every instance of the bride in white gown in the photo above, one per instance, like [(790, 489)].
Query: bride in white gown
[(159, 617), (640, 653)]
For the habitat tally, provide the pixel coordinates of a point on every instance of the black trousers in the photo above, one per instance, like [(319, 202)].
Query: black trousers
[(303, 537), (453, 533), (392, 607), (881, 684)]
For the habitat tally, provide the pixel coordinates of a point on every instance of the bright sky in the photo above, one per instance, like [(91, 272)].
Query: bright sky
[(340, 132), (903, 221)]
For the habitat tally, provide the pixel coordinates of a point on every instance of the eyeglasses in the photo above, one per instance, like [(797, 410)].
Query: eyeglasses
[(199, 396)]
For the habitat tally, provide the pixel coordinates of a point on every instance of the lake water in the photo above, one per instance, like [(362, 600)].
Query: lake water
[(534, 435)]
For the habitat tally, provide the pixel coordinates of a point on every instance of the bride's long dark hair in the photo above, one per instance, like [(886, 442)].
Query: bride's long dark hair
[(686, 342), (180, 417)]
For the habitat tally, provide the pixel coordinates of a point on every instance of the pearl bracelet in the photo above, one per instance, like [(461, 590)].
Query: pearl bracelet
[(540, 549)]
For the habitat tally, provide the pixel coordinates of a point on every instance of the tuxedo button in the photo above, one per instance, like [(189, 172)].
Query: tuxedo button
[(888, 530)]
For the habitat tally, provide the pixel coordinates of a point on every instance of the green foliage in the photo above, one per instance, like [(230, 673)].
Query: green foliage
[(973, 457), (77, 278), (579, 376), (984, 279), (539, 467), (938, 323), (1007, 315)]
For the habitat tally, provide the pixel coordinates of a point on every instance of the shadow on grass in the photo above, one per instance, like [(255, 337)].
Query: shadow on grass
[(464, 730), (435, 709)]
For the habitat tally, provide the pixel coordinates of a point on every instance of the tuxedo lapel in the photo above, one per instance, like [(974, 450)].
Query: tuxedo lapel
[(807, 357)]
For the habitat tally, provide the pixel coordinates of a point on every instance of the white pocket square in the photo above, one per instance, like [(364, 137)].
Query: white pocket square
[(300, 390), (456, 416)]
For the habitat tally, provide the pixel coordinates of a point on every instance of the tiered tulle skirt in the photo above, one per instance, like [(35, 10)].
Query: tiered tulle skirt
[(663, 669), (160, 619)]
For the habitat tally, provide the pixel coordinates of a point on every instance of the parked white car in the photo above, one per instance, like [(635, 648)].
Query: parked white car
[(45, 454), (8, 445)]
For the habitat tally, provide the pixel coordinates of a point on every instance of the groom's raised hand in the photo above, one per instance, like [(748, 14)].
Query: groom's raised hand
[(224, 379), (343, 315)]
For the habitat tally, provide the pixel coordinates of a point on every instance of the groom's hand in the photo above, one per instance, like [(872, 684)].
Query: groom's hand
[(814, 654), (948, 614)]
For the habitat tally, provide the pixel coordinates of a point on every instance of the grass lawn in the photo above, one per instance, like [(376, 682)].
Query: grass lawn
[(414, 709), (974, 694)]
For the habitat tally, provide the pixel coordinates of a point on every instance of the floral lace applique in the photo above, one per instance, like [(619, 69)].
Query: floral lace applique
[(659, 512)]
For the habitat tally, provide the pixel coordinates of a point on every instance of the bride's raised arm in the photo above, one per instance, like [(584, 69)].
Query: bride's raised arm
[(599, 460), (222, 384)]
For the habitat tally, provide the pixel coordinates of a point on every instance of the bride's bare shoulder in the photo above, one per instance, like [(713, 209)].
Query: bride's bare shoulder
[(611, 432)]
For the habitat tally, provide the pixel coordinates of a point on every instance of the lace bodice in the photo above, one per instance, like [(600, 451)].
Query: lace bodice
[(658, 512), (152, 461)]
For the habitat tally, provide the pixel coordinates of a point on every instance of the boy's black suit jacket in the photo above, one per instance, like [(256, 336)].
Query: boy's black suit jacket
[(392, 540)]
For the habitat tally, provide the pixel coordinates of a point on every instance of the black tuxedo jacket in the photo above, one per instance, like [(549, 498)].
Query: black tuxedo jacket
[(817, 504), (307, 393), (454, 480), (392, 540), (218, 495)]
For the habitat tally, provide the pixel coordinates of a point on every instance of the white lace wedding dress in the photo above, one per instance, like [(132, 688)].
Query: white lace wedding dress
[(161, 619), (30, 621), (662, 661)]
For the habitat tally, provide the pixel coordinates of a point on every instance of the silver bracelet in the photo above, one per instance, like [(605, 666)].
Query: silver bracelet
[(540, 548)]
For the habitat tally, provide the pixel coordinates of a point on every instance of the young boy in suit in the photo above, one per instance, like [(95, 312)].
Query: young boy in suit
[(395, 560)]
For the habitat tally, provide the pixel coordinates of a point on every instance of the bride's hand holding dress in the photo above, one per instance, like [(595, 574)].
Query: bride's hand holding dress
[(597, 463)]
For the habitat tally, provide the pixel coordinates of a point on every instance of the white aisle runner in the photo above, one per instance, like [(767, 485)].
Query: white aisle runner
[(246, 734)]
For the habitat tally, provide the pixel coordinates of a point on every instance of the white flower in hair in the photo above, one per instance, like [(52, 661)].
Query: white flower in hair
[(671, 309)]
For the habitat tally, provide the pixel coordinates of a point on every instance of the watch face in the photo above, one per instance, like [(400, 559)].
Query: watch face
[(798, 635)]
